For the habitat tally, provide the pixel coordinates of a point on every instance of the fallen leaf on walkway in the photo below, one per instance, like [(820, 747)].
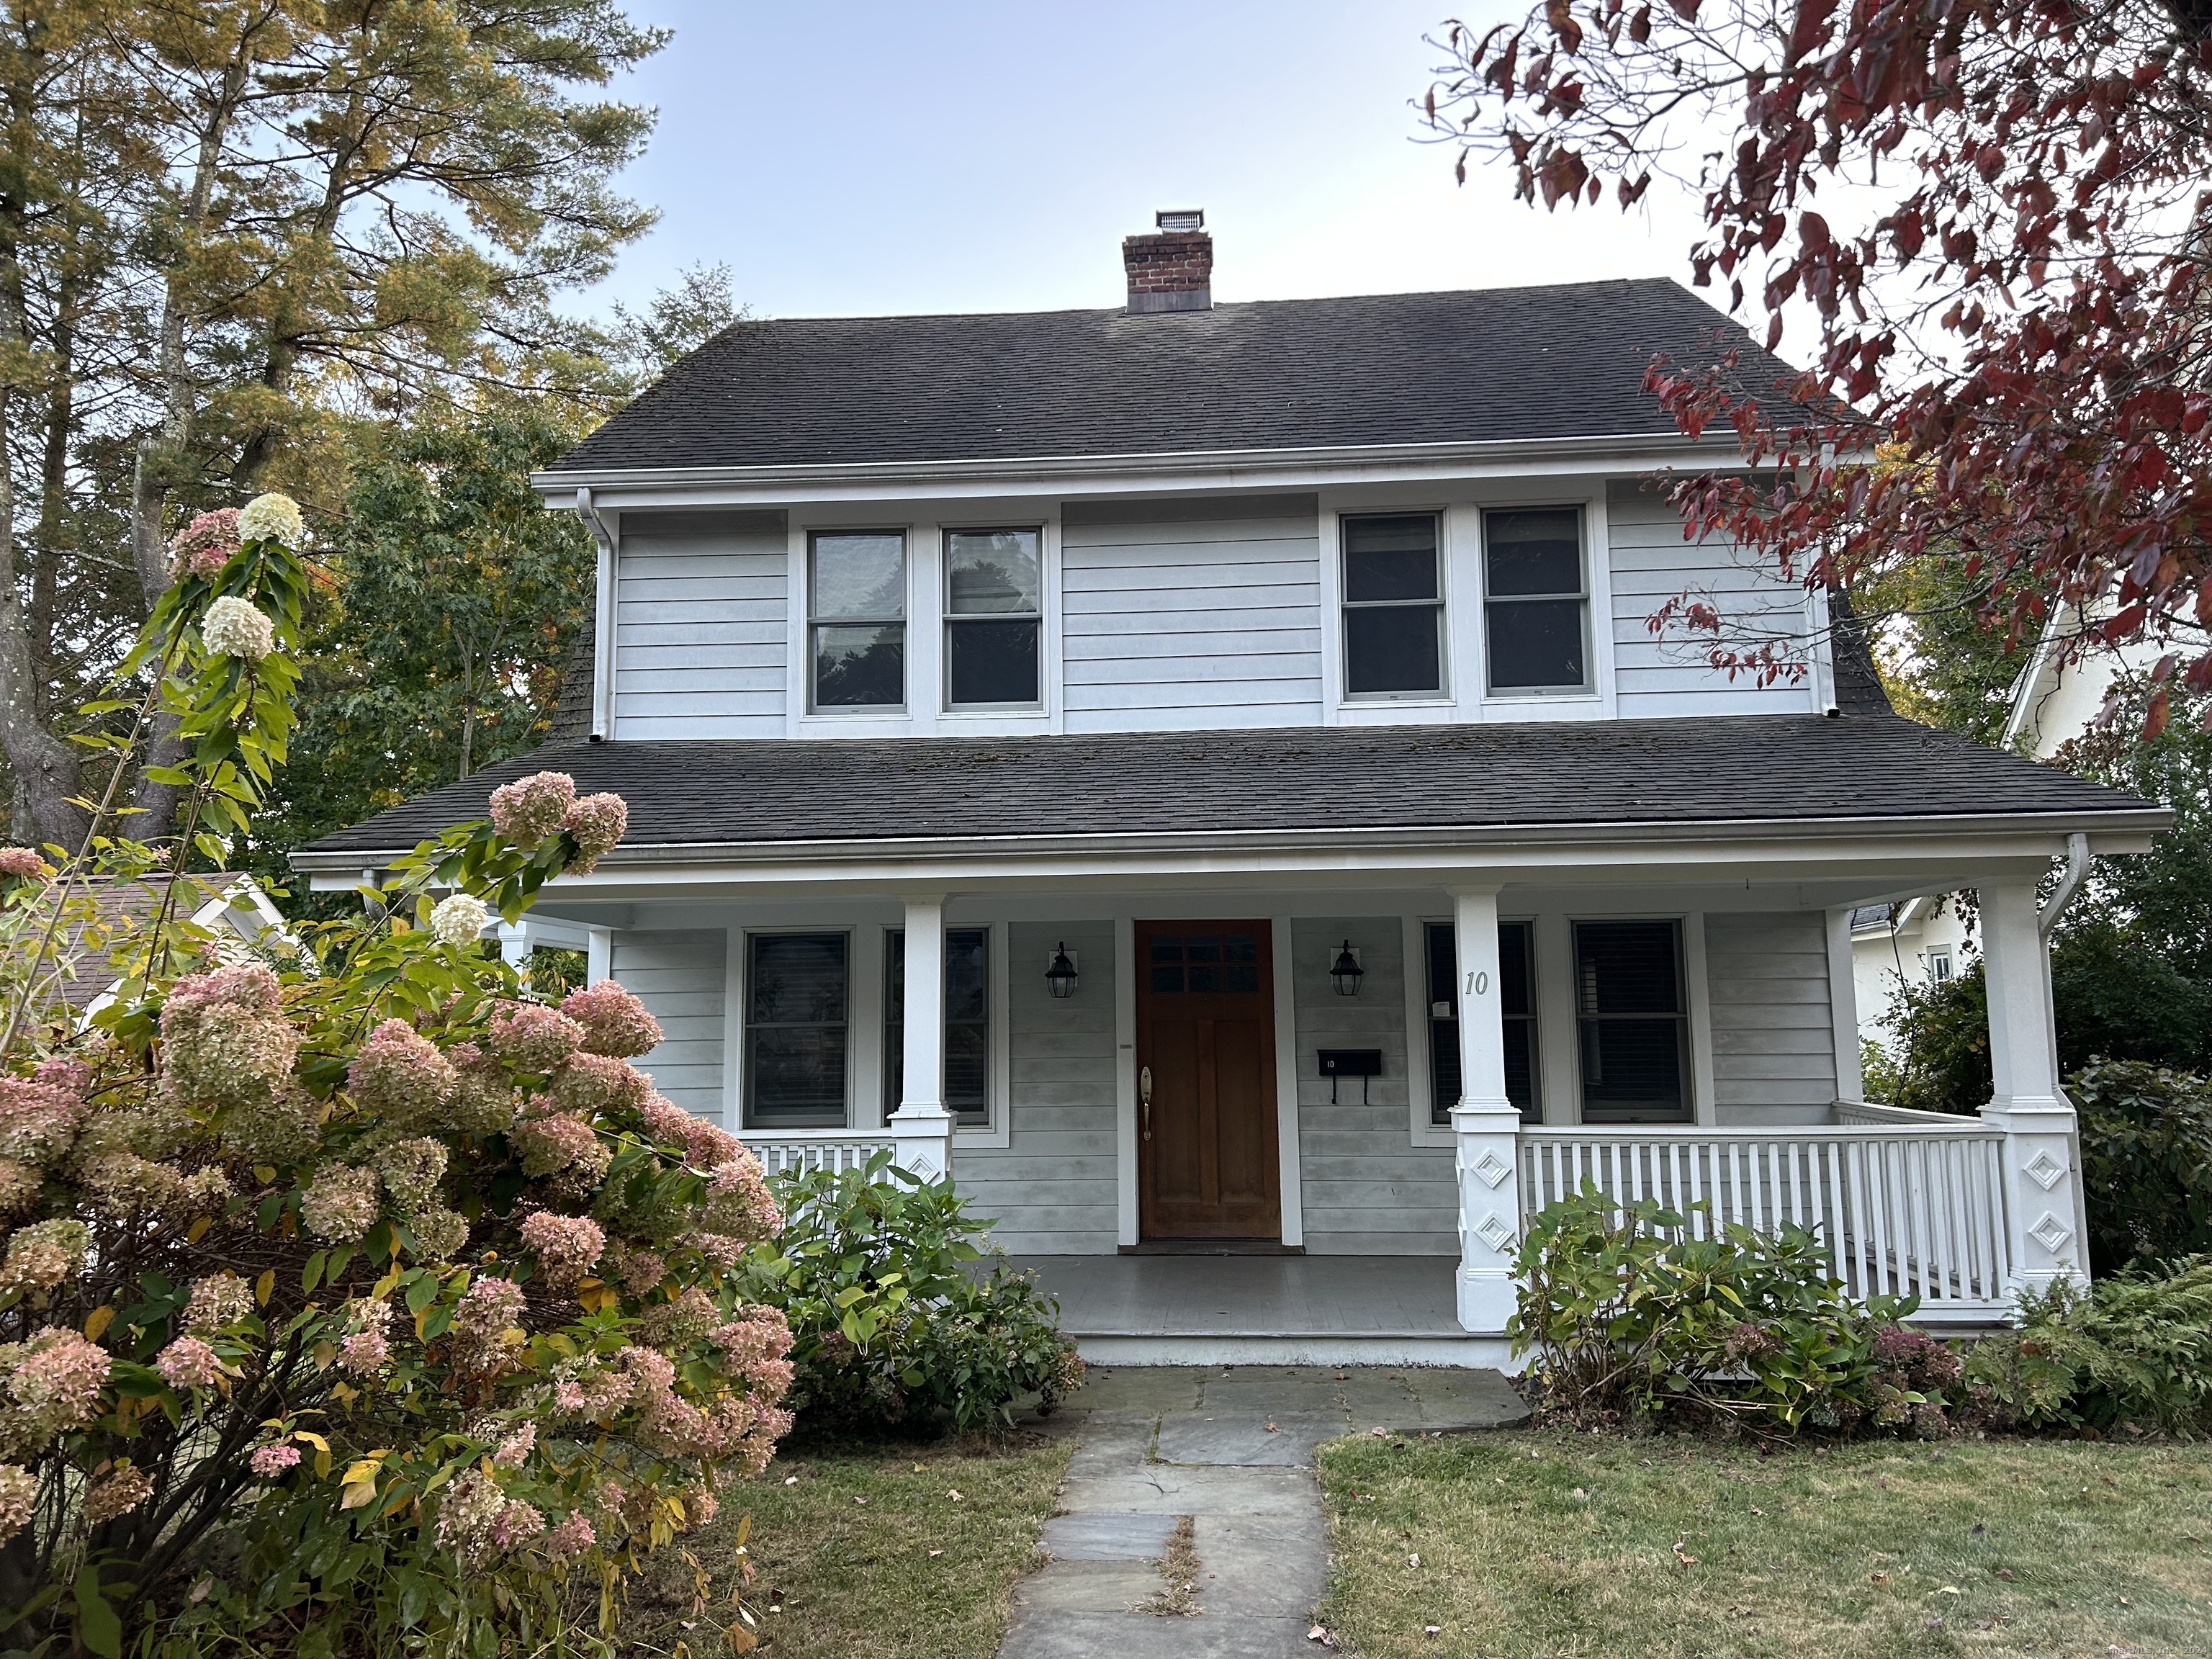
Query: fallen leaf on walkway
[(1380, 1434), (1272, 1429)]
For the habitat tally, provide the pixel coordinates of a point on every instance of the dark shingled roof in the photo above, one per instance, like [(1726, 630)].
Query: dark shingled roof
[(1656, 772), (1471, 365)]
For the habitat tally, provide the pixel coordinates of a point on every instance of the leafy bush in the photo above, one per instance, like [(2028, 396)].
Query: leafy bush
[(360, 1304), (2146, 1161), (1942, 1062), (892, 1325), (2135, 1348), (1629, 1316)]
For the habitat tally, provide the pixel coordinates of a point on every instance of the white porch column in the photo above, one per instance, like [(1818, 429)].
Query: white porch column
[(1485, 1127), (922, 1129), (2042, 1150)]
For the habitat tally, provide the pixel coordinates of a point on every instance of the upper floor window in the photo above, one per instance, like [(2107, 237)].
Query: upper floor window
[(858, 582), (994, 612), (1634, 1021), (1393, 605), (1535, 599)]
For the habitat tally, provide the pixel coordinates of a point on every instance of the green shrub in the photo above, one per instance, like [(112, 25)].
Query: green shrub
[(2146, 1161), (2136, 1348), (895, 1324), (1628, 1316), (1942, 1062)]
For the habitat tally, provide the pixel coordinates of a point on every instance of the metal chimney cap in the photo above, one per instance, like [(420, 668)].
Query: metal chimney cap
[(1180, 219)]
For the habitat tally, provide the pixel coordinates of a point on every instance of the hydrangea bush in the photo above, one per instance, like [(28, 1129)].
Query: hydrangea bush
[(350, 1300)]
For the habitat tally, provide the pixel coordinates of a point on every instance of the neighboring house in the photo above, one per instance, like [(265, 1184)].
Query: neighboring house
[(1924, 940), (1205, 776), (230, 906)]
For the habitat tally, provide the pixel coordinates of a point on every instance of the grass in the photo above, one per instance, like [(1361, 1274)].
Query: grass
[(864, 1554), (1544, 1544)]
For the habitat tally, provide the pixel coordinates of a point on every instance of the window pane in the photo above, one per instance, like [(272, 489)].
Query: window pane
[(1392, 558), (798, 979), (993, 662), (797, 1074), (967, 1073), (1633, 1068), (860, 667), (1538, 552), (1443, 1067), (1167, 978), (1520, 1071), (1535, 643), (1513, 967), (862, 576), (966, 982), (1442, 974), (1393, 648), (1627, 968), (993, 570)]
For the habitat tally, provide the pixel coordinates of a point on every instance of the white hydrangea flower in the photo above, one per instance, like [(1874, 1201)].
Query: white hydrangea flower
[(272, 517), (234, 627), (458, 919)]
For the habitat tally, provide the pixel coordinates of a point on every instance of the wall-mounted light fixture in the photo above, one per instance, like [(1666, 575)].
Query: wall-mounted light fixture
[(1060, 975), (1346, 973)]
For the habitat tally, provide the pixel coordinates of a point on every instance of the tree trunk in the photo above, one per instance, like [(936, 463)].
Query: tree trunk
[(46, 768)]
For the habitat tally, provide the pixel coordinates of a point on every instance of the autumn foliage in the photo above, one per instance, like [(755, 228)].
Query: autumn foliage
[(2011, 295)]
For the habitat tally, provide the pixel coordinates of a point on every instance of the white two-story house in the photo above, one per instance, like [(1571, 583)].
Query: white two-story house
[(1205, 776)]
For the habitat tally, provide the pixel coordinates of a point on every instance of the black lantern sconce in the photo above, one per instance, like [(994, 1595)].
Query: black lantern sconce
[(1060, 976), (1346, 973)]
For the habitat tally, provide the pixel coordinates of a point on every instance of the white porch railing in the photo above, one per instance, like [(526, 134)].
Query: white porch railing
[(1905, 1203), (833, 1150)]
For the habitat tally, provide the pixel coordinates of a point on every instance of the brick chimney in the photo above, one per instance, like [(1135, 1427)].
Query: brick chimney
[(1171, 269)]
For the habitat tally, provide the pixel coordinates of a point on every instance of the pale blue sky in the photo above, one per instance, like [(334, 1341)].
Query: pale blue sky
[(973, 155)]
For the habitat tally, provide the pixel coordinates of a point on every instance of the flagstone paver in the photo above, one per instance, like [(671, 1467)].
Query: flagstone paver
[(1231, 1448)]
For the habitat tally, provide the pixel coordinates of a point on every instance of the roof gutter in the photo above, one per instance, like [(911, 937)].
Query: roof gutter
[(2077, 866)]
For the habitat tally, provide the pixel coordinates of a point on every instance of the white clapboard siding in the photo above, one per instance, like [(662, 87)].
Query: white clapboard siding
[(701, 625), (1367, 1190), (1671, 673), (678, 976), (1052, 1187), (1774, 1051), (1184, 615)]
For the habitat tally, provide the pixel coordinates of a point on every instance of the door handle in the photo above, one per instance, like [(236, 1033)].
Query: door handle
[(1145, 1094)]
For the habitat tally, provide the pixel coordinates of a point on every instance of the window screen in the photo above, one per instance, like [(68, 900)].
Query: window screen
[(1535, 604), (967, 1024), (994, 605), (1393, 605), (795, 1003), (1633, 1021), (859, 608), (1516, 989)]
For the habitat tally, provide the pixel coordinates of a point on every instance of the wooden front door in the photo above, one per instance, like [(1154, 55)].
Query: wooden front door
[(1205, 1036)]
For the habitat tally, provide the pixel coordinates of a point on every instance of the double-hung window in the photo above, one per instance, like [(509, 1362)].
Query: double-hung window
[(1394, 606), (1535, 600), (994, 616), (857, 611), (1516, 995), (796, 994), (1633, 1021), (967, 1024)]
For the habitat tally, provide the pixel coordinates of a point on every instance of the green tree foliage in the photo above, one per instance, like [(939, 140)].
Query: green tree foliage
[(1941, 662), (2145, 1162)]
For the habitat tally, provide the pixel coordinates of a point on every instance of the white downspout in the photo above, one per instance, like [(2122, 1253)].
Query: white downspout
[(2077, 866), (603, 619)]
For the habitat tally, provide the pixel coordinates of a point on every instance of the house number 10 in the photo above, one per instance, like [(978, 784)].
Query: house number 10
[(1478, 982)]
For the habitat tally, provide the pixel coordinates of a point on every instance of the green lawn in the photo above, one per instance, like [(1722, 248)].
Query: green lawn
[(864, 1554), (1540, 1544)]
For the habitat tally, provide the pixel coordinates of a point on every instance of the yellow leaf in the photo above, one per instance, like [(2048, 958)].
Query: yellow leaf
[(359, 1494), (322, 1465), (197, 1230), (739, 1639), (311, 1438), (397, 1505), (97, 1321), (264, 1287), (362, 1469), (421, 1320), (265, 1173), (385, 1286), (325, 1351)]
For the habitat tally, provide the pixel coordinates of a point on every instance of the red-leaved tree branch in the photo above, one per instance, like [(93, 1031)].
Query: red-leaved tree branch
[(2011, 295)]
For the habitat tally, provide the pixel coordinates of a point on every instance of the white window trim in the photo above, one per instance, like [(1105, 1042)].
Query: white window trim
[(1598, 699), (1339, 608), (738, 1024), (1041, 708), (896, 716), (1589, 524)]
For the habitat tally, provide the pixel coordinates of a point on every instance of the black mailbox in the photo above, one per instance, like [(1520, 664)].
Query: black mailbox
[(1362, 1063)]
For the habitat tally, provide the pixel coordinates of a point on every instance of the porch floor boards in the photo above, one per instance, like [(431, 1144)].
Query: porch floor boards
[(1397, 1297)]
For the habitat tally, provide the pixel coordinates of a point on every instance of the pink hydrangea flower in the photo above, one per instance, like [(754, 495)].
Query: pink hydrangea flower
[(400, 1075), (529, 809), (340, 1204), (271, 1461), (484, 1100), (23, 863), (532, 1037), (225, 1040), (363, 1351), (549, 1145), (37, 1122), (614, 1021), (566, 1246), (570, 1539), (121, 1492), (515, 1525), (489, 1307), (514, 1451), (205, 545), (188, 1363), (597, 1086), (597, 822), (221, 1298), (595, 1395), (57, 1384), (737, 1203), (19, 1498)]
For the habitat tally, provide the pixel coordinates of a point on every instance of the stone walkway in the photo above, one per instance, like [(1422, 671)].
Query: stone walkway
[(1231, 1449)]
